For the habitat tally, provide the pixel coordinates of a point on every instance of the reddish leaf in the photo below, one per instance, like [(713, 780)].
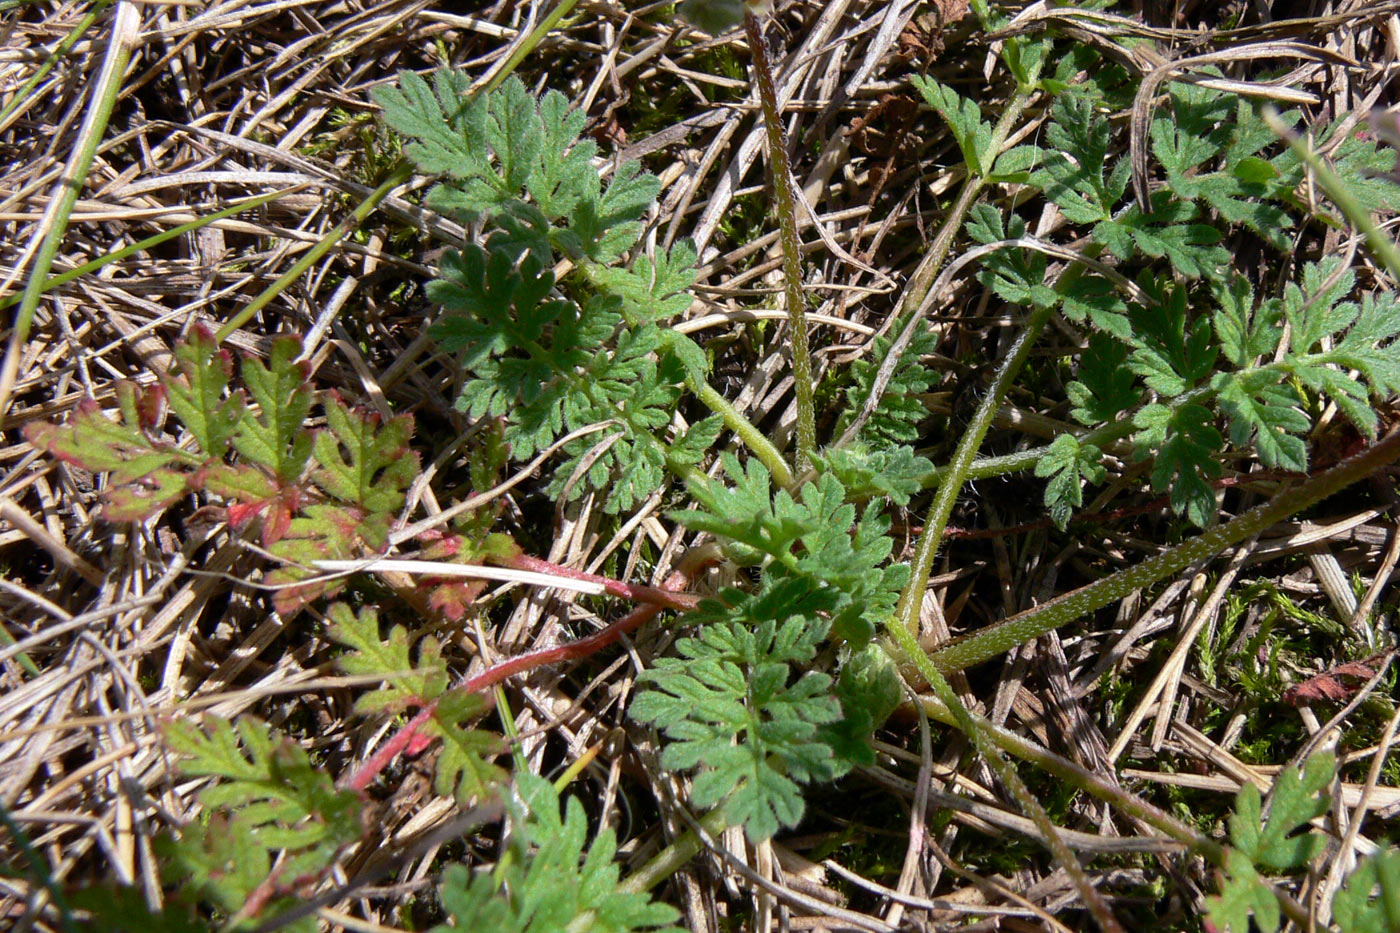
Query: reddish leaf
[(1329, 686)]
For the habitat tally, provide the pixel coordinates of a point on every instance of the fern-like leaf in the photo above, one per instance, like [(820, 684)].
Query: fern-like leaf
[(552, 878), (730, 704)]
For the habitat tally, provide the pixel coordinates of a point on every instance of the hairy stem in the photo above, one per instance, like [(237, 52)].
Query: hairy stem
[(786, 206), (1092, 784), (1003, 636), (747, 432), (905, 624), (907, 614)]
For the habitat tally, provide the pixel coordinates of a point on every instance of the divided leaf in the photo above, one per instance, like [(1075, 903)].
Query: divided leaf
[(409, 682), (275, 436), (1068, 464), (197, 395), (363, 462), (895, 420), (964, 118), (269, 781), (551, 878), (1270, 844), (1370, 899), (730, 704)]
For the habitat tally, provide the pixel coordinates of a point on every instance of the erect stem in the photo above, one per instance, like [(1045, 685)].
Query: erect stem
[(905, 624), (746, 430), (792, 248)]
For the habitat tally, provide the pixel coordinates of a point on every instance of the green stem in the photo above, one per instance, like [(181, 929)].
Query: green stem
[(979, 731), (955, 474), (109, 84), (401, 173), (786, 206), (905, 625), (927, 273), (670, 859), (1092, 784), (995, 639), (751, 436)]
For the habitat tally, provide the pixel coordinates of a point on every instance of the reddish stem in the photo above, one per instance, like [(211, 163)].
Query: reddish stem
[(656, 600), (637, 593)]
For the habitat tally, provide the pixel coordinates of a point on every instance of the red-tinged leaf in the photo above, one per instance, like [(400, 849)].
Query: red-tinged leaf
[(95, 442), (364, 462), (197, 393), (151, 406), (452, 596), (253, 494), (321, 532), (138, 501)]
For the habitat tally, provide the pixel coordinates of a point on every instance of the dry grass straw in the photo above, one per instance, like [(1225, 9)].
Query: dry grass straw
[(127, 626)]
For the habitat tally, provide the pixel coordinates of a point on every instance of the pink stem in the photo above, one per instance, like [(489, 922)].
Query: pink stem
[(663, 598)]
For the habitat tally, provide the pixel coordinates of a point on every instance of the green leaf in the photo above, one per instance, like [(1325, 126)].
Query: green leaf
[(896, 473), (1297, 799), (1106, 384), (895, 420), (363, 462), (1362, 337), (196, 394), (551, 878), (699, 439), (1171, 355), (1244, 332), (1243, 895), (654, 289), (731, 705), (1166, 231), (1370, 900), (1269, 416), (869, 689), (463, 770), (1314, 309), (1072, 175), (1016, 275), (964, 118), (1068, 464), (275, 436), (115, 908), (1186, 441), (268, 779), (410, 682)]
